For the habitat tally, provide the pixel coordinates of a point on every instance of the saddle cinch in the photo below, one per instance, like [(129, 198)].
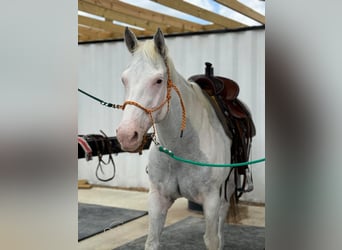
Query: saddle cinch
[(236, 121)]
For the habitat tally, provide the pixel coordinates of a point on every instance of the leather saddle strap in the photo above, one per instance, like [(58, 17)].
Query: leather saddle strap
[(218, 110)]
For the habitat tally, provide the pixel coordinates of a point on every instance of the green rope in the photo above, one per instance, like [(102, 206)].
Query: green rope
[(203, 164)]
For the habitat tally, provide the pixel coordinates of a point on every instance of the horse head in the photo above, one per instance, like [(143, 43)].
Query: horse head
[(146, 89)]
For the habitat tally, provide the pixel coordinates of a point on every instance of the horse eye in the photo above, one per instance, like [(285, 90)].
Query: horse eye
[(159, 81), (123, 80)]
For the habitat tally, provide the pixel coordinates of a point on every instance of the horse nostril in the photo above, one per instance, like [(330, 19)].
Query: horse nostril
[(135, 136)]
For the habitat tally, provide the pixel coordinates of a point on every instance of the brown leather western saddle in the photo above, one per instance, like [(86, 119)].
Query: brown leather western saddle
[(236, 121)]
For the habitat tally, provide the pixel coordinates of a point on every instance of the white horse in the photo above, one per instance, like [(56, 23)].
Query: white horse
[(155, 91)]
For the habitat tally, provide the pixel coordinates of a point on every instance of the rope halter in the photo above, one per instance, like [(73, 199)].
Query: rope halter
[(149, 111)]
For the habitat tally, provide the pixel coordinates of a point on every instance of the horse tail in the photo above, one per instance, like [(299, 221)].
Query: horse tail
[(231, 197), (233, 215)]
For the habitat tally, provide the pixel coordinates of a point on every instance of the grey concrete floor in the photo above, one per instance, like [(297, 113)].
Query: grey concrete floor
[(248, 215)]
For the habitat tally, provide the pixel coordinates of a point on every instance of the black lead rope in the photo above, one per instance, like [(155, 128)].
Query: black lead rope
[(107, 104), (104, 140)]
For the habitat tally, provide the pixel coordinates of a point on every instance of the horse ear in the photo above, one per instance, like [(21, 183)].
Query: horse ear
[(130, 40), (159, 42)]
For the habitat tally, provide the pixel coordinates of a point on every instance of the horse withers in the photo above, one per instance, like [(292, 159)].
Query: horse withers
[(158, 96)]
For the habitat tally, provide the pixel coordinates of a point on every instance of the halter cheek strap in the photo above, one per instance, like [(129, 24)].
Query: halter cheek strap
[(149, 111)]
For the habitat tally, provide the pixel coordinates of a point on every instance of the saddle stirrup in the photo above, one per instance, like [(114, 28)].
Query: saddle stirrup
[(245, 184)]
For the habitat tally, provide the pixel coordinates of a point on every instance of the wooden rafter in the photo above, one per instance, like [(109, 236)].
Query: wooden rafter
[(201, 13), (94, 34), (115, 15), (243, 9), (103, 25), (163, 20), (107, 26), (92, 29), (83, 37)]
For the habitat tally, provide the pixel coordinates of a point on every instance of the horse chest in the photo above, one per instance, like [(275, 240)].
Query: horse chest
[(180, 180), (192, 188)]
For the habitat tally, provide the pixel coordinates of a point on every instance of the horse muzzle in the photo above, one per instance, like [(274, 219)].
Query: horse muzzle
[(129, 138)]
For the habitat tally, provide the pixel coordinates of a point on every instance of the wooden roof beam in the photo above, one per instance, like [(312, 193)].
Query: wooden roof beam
[(243, 9), (119, 16), (96, 34), (107, 26), (83, 37), (211, 27), (201, 13), (156, 17), (102, 25)]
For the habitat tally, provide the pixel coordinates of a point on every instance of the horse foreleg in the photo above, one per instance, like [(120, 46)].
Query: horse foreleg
[(211, 207), (222, 219), (158, 207)]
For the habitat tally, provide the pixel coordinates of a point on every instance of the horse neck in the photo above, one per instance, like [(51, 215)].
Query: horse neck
[(169, 129)]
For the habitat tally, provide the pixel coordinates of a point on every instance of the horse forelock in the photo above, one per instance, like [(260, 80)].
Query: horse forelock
[(148, 50)]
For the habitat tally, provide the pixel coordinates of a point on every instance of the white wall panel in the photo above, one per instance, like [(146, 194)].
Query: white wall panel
[(239, 56)]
